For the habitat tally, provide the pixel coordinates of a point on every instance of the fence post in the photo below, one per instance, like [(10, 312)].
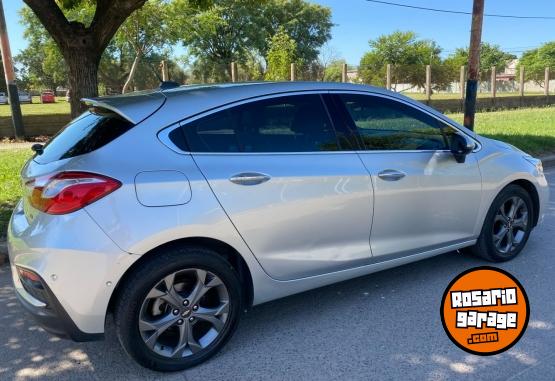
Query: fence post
[(493, 82), (462, 80), (521, 81), (546, 89), (293, 71), (234, 72), (388, 77), (344, 73), (428, 83)]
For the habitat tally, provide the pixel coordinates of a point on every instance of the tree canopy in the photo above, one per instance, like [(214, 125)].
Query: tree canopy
[(407, 55), (536, 60)]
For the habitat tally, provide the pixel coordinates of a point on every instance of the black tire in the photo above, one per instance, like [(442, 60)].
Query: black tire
[(148, 274), (485, 246)]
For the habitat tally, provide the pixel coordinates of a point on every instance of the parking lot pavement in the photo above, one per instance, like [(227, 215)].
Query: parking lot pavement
[(382, 326)]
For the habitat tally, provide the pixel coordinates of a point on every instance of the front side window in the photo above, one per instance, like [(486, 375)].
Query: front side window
[(297, 123), (385, 124)]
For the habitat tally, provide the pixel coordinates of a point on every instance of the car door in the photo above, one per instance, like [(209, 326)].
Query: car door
[(302, 205), (423, 198)]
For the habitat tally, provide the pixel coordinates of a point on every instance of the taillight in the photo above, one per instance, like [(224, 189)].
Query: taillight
[(67, 192)]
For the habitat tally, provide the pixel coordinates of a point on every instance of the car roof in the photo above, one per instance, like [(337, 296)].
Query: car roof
[(183, 101)]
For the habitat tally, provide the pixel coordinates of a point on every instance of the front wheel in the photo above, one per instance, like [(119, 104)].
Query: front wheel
[(507, 225), (178, 308)]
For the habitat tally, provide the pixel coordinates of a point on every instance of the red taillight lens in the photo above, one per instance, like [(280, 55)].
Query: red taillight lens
[(67, 192)]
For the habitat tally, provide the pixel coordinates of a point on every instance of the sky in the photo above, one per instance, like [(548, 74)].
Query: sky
[(358, 21)]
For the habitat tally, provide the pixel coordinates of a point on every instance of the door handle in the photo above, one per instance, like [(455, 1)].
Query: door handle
[(391, 175), (249, 178)]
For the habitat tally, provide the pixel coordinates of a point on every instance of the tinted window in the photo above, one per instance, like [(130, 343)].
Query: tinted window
[(84, 134), (286, 124), (385, 124)]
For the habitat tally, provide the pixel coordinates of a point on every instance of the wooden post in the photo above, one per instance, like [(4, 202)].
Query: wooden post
[(164, 66), (493, 81), (428, 82), (9, 73), (546, 88), (344, 73), (461, 81), (293, 71), (388, 77), (521, 89), (473, 63), (234, 72)]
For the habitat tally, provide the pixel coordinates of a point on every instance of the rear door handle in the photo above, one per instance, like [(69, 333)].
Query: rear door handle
[(391, 175), (249, 178)]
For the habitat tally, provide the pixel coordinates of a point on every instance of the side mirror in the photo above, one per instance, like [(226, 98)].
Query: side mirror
[(460, 146)]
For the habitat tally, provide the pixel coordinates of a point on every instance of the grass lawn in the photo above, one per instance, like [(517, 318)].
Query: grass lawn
[(422, 96), (37, 108), (532, 130), (11, 162)]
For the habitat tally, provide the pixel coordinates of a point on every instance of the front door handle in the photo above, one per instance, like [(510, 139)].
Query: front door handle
[(249, 178), (391, 175)]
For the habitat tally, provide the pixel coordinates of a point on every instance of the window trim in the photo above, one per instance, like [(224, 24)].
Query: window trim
[(163, 135), (408, 104)]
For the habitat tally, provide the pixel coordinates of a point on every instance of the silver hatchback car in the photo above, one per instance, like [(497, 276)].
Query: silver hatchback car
[(175, 210)]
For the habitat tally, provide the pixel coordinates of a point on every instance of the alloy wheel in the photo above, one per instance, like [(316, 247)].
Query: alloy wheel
[(510, 224), (184, 313)]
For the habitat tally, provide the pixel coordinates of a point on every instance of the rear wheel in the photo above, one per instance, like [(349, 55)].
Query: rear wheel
[(178, 308), (507, 225)]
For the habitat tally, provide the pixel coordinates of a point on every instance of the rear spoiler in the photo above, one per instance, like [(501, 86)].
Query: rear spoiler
[(134, 107)]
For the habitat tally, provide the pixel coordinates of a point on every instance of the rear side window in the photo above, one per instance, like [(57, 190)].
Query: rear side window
[(385, 124), (84, 134), (296, 123)]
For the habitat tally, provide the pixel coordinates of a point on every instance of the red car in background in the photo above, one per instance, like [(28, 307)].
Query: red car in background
[(47, 96)]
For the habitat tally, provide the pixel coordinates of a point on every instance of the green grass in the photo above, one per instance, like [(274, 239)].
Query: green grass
[(37, 108), (532, 130), (11, 162), (422, 96)]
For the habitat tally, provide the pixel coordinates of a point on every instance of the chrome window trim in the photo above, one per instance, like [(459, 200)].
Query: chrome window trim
[(163, 134)]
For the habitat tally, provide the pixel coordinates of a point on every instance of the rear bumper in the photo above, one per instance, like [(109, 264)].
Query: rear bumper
[(78, 265), (52, 316)]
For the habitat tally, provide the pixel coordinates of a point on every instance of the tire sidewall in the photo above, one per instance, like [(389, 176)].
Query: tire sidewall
[(142, 281)]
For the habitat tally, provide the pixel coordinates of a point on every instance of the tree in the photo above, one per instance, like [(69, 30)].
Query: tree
[(407, 55), (536, 60), (82, 44), (334, 71), (146, 31), (41, 62), (282, 52), (240, 30), (490, 55)]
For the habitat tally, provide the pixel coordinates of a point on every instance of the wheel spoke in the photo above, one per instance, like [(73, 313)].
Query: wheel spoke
[(200, 287), (510, 241), (194, 346), (157, 327), (521, 222), (211, 315), (497, 238), (183, 339)]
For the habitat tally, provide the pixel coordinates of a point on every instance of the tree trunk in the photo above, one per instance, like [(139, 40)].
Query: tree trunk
[(131, 72), (83, 78)]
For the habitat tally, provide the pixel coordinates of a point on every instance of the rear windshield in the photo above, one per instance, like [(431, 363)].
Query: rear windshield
[(84, 134)]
